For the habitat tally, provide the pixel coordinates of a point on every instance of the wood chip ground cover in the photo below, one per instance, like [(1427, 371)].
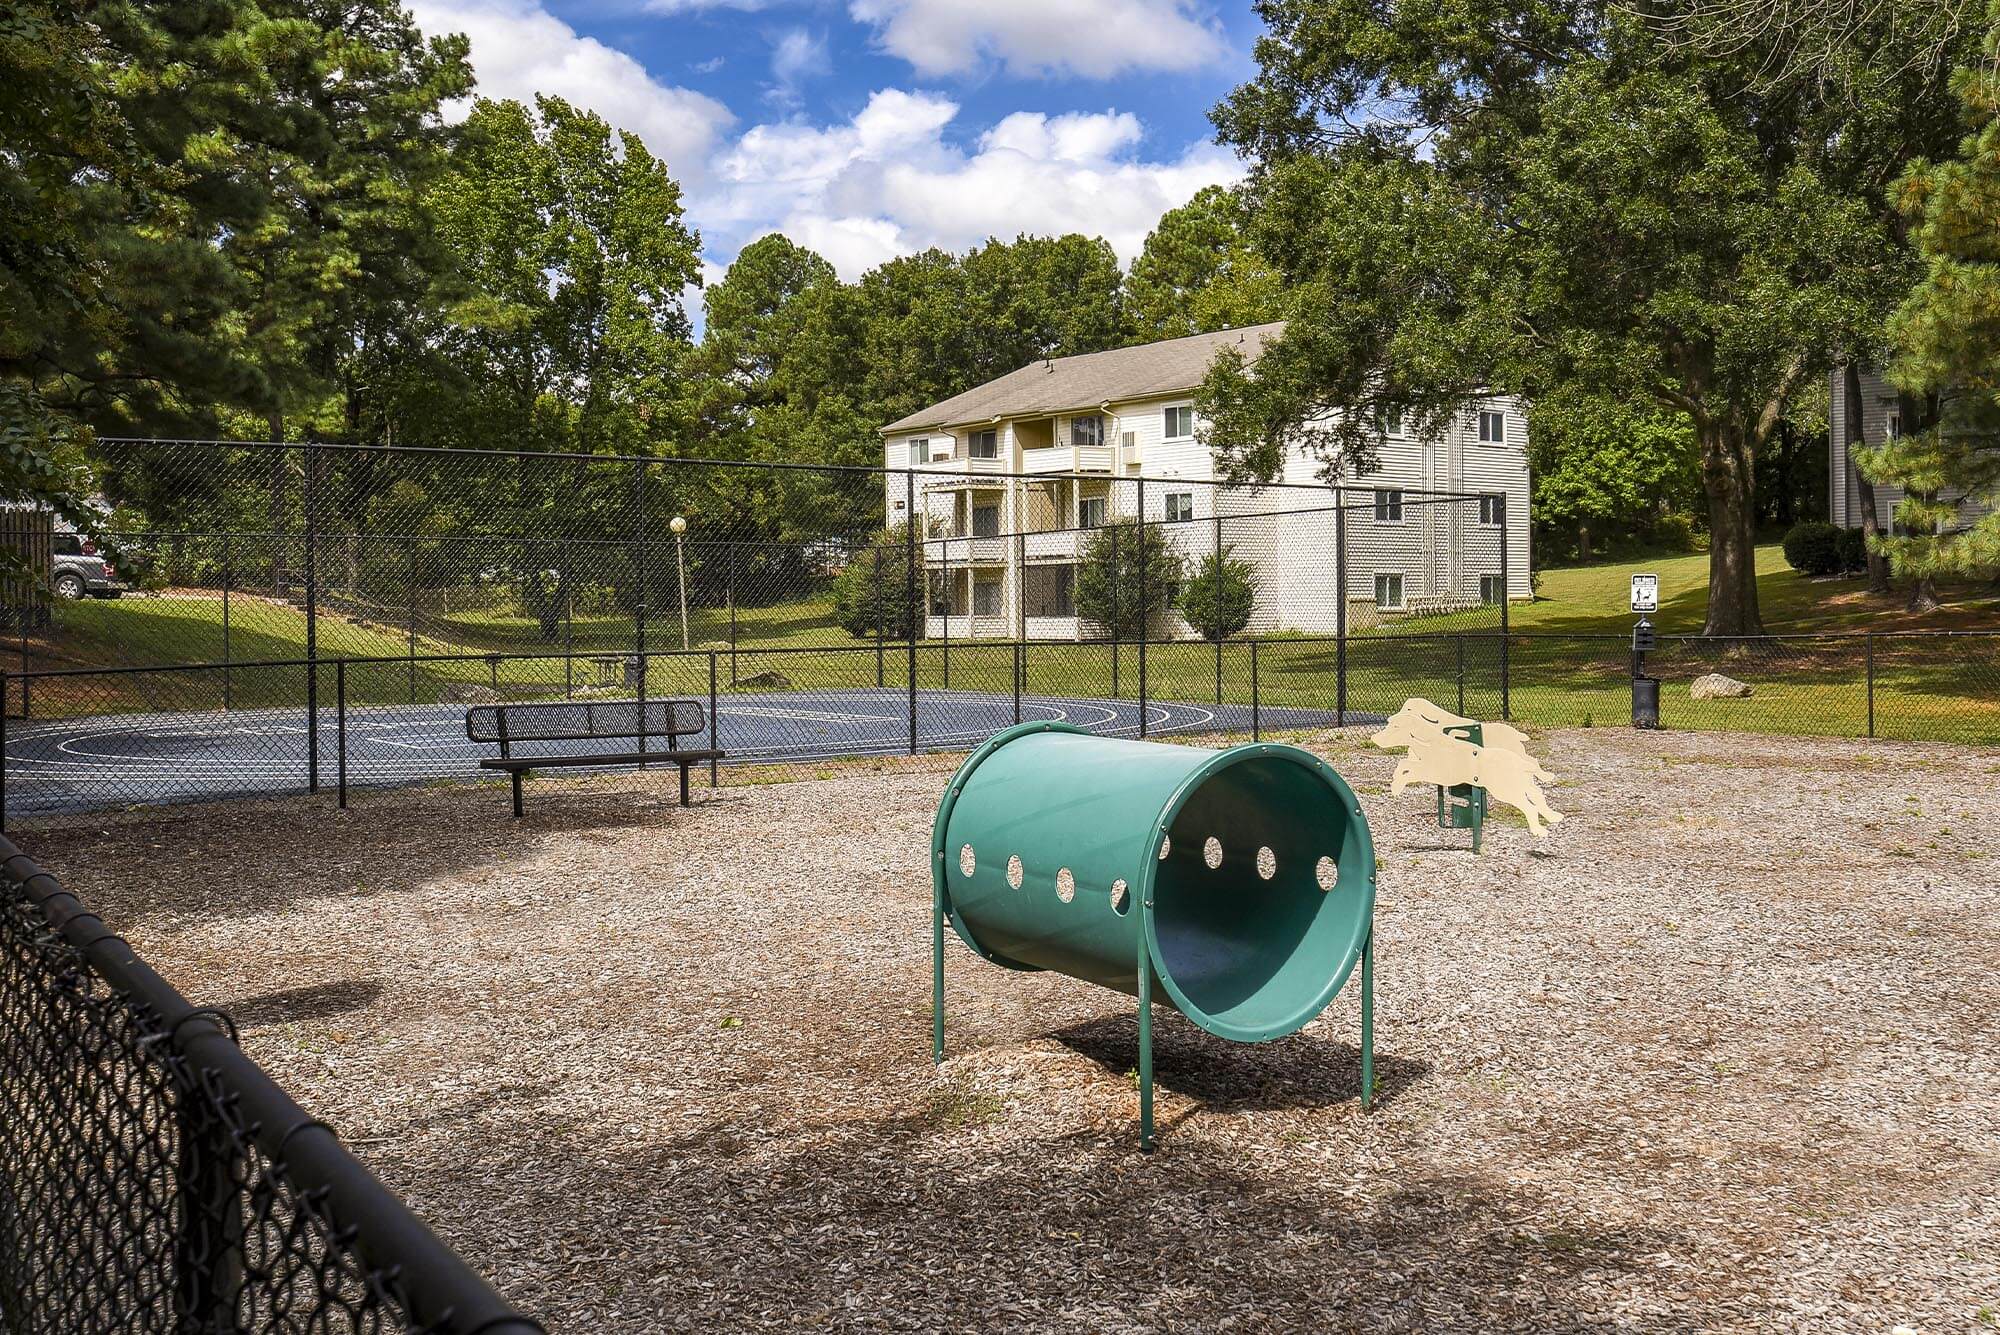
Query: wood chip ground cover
[(1720, 1055)]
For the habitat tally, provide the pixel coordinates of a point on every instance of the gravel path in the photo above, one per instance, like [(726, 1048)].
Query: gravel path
[(1720, 1055)]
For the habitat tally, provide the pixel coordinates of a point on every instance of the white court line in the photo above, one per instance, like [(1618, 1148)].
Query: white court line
[(201, 773)]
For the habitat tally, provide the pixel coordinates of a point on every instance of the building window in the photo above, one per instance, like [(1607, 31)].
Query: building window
[(1180, 506), (1491, 589), (1388, 505), (920, 451), (1493, 510), (1048, 590), (1392, 423), (1492, 427), (985, 521), (1180, 423), (1086, 432), (983, 445), (1091, 513), (1389, 592), (986, 597)]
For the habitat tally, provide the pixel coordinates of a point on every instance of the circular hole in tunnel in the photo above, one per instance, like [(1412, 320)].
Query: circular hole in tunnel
[(1065, 885), (1249, 944), (966, 861), (1013, 871), (1121, 897), (1327, 873)]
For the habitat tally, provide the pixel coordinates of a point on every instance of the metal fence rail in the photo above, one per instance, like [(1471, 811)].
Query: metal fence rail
[(154, 1179), (85, 739)]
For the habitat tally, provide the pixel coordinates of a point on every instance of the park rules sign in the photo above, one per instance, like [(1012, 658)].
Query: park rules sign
[(1645, 593)]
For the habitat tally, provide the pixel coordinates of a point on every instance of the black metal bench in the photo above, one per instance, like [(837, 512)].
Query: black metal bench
[(590, 721)]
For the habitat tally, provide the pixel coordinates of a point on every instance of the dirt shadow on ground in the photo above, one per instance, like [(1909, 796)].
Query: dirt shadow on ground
[(1300, 1071), (913, 1222), (250, 858), (317, 1001)]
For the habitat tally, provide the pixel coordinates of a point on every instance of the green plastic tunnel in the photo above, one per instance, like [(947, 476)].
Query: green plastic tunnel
[(1248, 873)]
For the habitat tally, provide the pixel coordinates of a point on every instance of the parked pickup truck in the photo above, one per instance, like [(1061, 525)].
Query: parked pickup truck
[(80, 571)]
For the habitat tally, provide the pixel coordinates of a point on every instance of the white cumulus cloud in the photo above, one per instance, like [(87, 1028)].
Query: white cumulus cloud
[(520, 49), (889, 182), (1091, 38)]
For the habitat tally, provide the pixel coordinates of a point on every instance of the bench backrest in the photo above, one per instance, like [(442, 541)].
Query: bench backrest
[(580, 720)]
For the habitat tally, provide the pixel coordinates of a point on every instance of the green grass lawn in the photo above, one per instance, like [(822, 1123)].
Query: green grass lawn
[(1928, 689), (1596, 598)]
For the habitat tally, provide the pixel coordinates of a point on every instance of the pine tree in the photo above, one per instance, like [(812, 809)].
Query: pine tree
[(1947, 334)]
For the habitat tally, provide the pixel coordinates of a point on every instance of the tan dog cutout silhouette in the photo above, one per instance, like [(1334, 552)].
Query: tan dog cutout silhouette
[(1501, 765)]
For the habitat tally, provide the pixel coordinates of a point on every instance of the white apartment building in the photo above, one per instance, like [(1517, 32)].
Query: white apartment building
[(1013, 475)]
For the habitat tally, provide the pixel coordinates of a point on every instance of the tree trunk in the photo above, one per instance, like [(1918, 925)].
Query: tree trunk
[(1583, 542), (1731, 487), (1864, 490)]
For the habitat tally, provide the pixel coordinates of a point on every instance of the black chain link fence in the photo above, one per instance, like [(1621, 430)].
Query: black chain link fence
[(154, 1179), (320, 617)]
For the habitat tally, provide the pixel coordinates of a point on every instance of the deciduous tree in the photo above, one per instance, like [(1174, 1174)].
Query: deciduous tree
[(1530, 195)]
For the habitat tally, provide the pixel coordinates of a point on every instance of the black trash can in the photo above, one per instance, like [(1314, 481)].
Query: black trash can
[(1645, 702)]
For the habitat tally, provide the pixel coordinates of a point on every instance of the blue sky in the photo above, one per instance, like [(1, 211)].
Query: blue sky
[(872, 128)]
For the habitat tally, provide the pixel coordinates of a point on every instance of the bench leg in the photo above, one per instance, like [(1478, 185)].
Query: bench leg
[(517, 794), (684, 783)]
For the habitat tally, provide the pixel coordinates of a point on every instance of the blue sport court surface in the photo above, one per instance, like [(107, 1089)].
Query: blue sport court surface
[(143, 759)]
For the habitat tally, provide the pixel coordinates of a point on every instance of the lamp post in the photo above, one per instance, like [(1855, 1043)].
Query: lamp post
[(680, 528)]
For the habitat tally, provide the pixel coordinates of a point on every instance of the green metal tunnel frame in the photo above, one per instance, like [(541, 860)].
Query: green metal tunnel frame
[(1151, 978)]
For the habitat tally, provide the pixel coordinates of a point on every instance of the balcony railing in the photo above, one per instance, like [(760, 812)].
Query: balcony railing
[(1067, 459)]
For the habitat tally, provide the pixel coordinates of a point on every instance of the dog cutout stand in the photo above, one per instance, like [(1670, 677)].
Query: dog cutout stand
[(1472, 763)]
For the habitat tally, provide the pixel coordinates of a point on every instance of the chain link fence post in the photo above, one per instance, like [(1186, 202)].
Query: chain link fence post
[(1506, 598), (1339, 608), (1145, 605), (910, 595), (1870, 647), (228, 577), (310, 504)]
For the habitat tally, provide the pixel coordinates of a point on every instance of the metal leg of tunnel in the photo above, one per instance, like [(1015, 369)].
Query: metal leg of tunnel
[(1145, 1047), (1368, 1023), (937, 971)]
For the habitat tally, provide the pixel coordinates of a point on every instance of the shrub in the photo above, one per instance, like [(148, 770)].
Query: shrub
[(1813, 548), (1674, 531), (1122, 565), (871, 594), (1218, 600), (1853, 550)]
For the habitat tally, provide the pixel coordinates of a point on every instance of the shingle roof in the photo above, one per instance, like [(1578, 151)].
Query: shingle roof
[(1171, 366)]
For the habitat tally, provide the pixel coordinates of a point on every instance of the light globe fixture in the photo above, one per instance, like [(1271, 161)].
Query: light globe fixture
[(679, 525)]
